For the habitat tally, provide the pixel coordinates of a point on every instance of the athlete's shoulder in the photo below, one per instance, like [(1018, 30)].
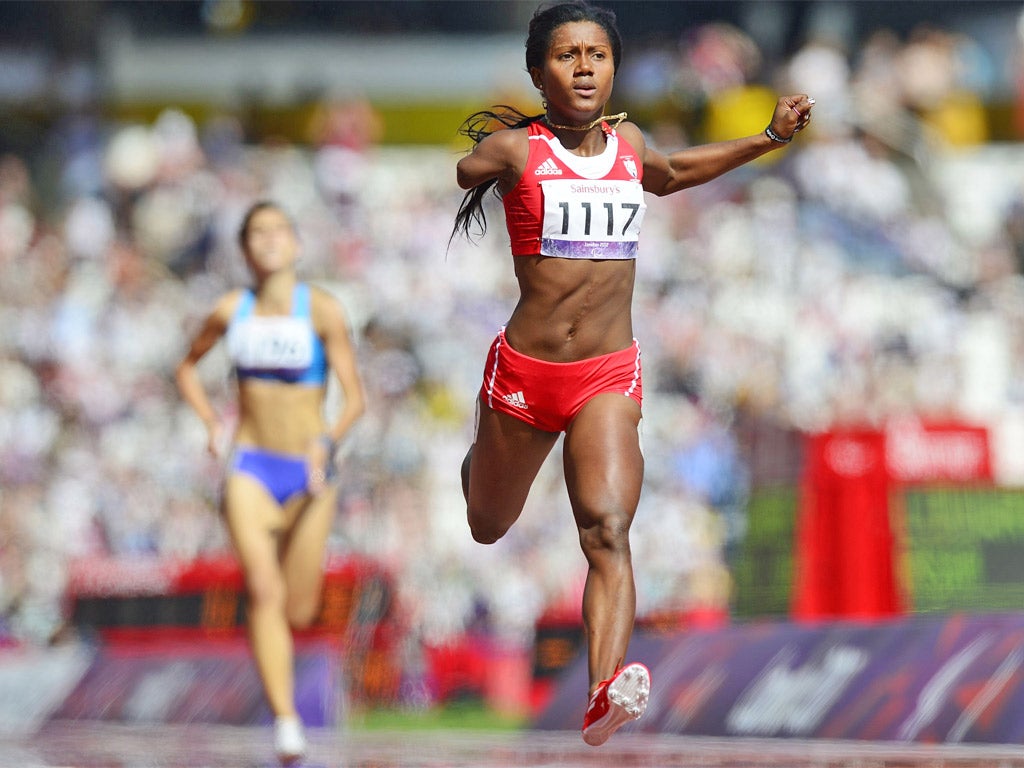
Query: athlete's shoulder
[(632, 135), (502, 154), (325, 307), (229, 302), (322, 297), (508, 138), (224, 309)]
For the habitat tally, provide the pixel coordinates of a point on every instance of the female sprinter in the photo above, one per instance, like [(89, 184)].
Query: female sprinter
[(284, 338), (572, 183)]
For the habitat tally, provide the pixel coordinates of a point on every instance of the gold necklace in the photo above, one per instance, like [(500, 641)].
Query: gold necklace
[(617, 118)]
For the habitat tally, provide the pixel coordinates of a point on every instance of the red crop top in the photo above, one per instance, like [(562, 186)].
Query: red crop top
[(576, 207)]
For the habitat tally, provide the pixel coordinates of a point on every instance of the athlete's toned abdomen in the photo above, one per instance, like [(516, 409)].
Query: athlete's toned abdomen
[(571, 309), (284, 418)]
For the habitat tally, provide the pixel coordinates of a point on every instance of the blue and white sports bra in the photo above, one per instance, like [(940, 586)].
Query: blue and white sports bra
[(282, 348)]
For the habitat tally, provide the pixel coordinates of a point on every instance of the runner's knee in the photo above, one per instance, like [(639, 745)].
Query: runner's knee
[(301, 614), (608, 535), (266, 591)]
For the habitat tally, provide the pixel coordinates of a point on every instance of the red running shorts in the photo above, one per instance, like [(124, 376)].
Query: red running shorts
[(548, 395)]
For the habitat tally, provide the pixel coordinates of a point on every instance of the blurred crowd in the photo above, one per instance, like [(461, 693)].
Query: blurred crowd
[(835, 281)]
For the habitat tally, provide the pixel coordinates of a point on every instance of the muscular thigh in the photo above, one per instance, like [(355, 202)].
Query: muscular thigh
[(305, 540), (604, 466), (507, 454), (255, 522)]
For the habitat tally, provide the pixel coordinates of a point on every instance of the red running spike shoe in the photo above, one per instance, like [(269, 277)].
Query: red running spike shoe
[(617, 700)]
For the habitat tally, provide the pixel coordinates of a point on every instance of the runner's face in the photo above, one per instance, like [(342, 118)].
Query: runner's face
[(271, 244), (578, 72)]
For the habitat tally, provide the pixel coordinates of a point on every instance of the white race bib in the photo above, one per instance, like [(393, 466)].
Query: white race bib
[(271, 343), (592, 219)]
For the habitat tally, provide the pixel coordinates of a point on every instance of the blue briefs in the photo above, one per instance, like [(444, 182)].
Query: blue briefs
[(283, 475)]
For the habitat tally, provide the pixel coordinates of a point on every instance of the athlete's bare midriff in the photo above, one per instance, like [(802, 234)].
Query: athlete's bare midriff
[(571, 309), (283, 418)]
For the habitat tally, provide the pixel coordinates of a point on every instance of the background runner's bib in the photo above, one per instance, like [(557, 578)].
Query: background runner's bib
[(271, 343), (591, 219)]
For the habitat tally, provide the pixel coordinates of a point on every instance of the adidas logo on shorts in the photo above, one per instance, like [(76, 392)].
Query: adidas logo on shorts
[(548, 168), (516, 399)]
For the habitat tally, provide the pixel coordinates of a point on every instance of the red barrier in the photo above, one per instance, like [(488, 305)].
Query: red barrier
[(846, 541), (845, 546)]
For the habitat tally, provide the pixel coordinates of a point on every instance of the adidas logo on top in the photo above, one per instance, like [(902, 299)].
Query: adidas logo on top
[(516, 399), (548, 168)]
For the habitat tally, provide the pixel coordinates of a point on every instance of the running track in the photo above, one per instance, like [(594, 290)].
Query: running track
[(97, 745)]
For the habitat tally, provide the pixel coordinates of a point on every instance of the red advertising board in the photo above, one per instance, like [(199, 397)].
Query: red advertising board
[(937, 452)]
